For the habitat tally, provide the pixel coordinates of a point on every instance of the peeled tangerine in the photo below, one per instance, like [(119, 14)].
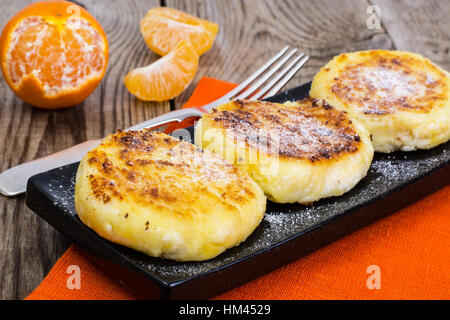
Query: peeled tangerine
[(164, 28), (167, 77), (53, 54)]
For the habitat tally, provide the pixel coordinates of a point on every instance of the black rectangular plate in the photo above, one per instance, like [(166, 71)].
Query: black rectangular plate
[(288, 231)]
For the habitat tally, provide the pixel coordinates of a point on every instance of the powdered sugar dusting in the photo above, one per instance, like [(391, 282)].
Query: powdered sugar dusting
[(281, 222), (307, 129), (383, 85)]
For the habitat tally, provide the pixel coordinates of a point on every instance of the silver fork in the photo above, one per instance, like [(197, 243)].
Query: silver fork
[(14, 180)]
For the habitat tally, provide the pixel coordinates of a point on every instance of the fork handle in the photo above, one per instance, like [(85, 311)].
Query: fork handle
[(14, 180)]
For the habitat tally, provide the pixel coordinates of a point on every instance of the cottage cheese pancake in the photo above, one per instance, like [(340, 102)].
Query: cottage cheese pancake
[(402, 98), (166, 198), (297, 152)]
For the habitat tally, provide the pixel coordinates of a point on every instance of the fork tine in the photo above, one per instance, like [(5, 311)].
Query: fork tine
[(266, 76), (277, 78), (287, 77), (258, 72)]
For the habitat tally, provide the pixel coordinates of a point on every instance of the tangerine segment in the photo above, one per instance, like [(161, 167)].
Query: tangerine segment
[(54, 54), (167, 77), (164, 28)]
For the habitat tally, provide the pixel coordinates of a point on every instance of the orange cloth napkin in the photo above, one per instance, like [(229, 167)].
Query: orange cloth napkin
[(411, 248)]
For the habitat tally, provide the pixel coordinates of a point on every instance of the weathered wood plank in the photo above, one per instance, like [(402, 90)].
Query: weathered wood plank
[(251, 31), (28, 246), (419, 26)]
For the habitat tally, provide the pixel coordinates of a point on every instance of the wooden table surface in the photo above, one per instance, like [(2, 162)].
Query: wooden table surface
[(251, 31)]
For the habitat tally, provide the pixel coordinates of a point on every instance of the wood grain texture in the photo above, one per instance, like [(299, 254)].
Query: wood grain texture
[(251, 31)]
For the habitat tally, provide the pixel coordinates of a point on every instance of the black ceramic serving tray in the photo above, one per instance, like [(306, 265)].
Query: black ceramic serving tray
[(288, 231)]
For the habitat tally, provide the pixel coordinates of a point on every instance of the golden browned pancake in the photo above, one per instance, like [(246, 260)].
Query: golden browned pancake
[(297, 152), (166, 198), (402, 98)]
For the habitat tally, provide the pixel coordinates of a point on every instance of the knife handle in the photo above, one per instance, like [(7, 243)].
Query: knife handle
[(14, 180)]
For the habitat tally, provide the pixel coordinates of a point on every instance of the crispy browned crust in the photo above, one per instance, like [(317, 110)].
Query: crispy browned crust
[(309, 129), (401, 84), (151, 168)]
